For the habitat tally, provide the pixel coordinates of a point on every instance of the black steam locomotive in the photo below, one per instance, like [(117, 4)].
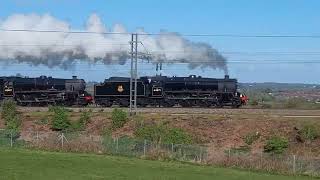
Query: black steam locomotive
[(44, 91), (166, 91), (160, 91)]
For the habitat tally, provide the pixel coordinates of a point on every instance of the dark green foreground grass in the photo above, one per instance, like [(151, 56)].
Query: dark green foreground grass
[(35, 165)]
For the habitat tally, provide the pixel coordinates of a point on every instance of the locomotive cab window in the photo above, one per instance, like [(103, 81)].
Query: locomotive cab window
[(8, 91), (156, 91)]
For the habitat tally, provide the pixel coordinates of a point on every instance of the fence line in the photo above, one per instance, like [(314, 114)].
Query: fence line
[(127, 146)]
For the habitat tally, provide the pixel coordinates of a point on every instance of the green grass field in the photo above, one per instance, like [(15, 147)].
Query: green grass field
[(35, 165)]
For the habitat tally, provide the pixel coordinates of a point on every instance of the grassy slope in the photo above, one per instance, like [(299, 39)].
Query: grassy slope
[(33, 165)]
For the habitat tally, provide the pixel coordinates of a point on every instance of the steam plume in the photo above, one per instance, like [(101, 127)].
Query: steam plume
[(61, 49)]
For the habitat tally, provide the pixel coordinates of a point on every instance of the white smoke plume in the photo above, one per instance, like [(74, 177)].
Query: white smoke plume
[(60, 49)]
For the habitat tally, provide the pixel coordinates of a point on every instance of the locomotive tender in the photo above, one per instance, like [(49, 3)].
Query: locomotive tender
[(42, 91), (192, 91)]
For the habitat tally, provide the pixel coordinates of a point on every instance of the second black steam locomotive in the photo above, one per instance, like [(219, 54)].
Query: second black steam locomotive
[(43, 91), (166, 91)]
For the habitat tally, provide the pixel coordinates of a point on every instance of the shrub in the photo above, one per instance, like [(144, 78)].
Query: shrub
[(309, 132), (60, 120), (83, 121), (276, 145), (53, 108), (107, 131), (9, 110), (152, 133), (138, 121), (84, 118), (177, 136), (13, 123), (293, 103), (13, 127), (11, 117), (250, 138), (162, 134), (254, 102), (119, 118)]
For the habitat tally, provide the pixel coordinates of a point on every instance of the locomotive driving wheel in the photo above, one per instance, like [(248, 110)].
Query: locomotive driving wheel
[(141, 103), (235, 103), (185, 103), (124, 103), (107, 103), (168, 103), (205, 103)]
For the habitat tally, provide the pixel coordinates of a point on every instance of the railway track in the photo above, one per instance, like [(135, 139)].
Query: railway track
[(180, 111)]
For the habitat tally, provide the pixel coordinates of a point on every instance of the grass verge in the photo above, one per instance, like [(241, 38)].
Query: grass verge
[(37, 165)]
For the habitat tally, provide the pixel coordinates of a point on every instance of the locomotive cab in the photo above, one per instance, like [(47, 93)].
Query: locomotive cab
[(75, 84)]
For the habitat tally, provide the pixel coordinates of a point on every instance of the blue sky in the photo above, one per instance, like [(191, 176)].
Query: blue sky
[(243, 17)]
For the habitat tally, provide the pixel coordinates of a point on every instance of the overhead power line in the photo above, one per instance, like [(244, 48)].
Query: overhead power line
[(61, 31), (243, 62), (53, 44), (181, 34)]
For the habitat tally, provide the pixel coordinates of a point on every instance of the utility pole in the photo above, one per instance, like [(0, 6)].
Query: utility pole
[(133, 74)]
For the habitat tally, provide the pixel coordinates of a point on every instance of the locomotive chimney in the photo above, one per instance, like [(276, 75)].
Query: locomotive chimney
[(74, 77), (226, 77)]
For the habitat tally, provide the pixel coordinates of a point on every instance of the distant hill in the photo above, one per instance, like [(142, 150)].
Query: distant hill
[(279, 86)]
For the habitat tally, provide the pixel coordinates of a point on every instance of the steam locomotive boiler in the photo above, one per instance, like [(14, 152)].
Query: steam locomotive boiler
[(192, 91), (44, 90)]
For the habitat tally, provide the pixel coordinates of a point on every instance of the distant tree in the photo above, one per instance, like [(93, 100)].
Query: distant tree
[(19, 75)]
